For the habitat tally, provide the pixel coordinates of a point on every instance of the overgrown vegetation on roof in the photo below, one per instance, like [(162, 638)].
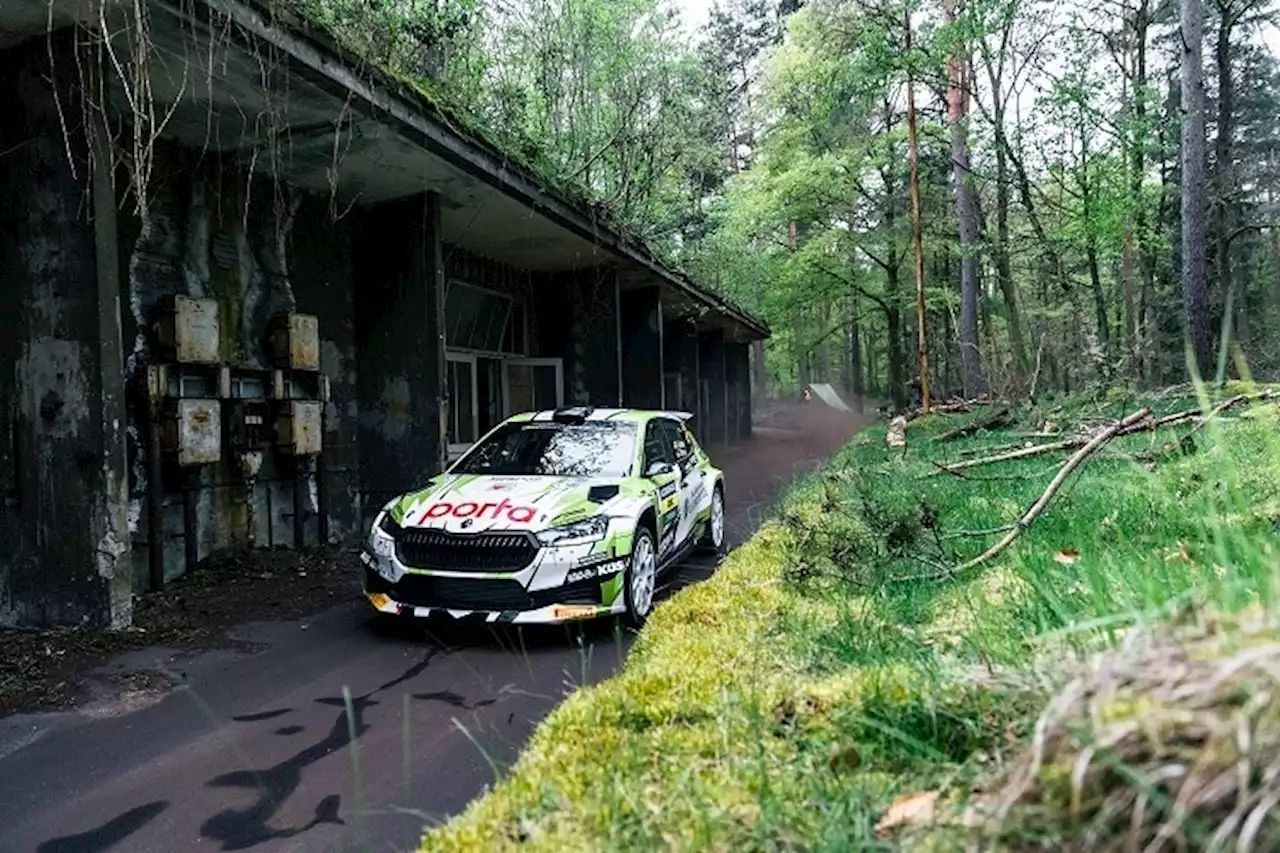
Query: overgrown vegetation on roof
[(838, 684)]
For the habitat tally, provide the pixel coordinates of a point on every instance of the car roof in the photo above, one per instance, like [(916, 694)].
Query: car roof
[(591, 415)]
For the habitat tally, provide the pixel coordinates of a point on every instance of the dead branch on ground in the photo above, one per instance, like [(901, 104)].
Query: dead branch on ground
[(998, 420), (1148, 425), (954, 407), (1015, 530)]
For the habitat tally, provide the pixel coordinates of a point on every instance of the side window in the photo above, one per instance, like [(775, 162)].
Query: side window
[(656, 446), (688, 437), (679, 445)]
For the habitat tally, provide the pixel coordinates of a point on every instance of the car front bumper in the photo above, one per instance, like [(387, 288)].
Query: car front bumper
[(504, 599)]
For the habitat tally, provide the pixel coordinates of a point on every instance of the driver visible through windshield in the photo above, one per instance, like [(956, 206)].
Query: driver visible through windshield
[(604, 449)]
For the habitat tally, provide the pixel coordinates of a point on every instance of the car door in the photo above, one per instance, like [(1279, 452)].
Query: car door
[(657, 449), (692, 477)]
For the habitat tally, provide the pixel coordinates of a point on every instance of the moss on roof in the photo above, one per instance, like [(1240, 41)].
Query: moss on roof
[(310, 19)]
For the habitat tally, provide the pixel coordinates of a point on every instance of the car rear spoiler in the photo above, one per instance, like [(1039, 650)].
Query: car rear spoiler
[(680, 416)]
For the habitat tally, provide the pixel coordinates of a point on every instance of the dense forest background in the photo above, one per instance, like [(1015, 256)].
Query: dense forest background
[(1093, 200)]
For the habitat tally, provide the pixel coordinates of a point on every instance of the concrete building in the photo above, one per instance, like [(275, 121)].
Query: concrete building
[(319, 292)]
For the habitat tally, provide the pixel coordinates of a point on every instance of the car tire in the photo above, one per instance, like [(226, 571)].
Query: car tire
[(640, 581), (713, 537)]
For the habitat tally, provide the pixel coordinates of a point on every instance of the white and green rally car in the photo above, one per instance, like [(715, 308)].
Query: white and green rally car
[(550, 517)]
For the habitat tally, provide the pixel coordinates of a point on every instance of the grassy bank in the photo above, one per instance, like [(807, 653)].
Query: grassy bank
[(837, 664)]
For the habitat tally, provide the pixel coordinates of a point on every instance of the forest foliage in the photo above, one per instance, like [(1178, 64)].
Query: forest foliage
[(765, 152)]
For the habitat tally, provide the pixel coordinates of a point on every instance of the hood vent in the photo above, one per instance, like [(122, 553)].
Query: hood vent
[(600, 494)]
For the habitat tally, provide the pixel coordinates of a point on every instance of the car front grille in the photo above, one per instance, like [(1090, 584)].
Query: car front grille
[(455, 593), (467, 552)]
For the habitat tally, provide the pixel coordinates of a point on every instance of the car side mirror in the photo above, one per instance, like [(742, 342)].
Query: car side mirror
[(657, 469)]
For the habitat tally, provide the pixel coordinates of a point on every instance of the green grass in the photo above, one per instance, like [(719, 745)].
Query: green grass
[(788, 700)]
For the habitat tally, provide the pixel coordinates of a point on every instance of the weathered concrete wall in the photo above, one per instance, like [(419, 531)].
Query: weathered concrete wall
[(552, 317), (642, 349), (400, 347), (322, 273), (711, 361), (210, 231), (62, 536), (680, 349), (592, 365)]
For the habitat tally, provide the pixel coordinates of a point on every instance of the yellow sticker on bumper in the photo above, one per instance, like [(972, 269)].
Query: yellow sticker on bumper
[(380, 601), (578, 611)]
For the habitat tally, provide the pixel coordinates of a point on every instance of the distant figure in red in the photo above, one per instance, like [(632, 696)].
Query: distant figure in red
[(807, 395)]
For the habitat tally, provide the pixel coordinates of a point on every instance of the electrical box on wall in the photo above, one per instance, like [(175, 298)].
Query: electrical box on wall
[(249, 425), (193, 430), (295, 342), (187, 330), (298, 427)]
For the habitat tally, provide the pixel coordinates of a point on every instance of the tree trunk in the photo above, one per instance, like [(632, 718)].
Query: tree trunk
[(855, 346), (1099, 295), (1139, 327), (1225, 185), (1004, 266), (917, 235), (966, 214), (1195, 279), (897, 370)]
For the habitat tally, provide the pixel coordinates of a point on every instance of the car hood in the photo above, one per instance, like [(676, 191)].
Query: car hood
[(470, 503)]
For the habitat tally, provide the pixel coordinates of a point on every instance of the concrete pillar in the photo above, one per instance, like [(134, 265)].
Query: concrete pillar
[(738, 360), (400, 348), (640, 315), (715, 414), (63, 526), (593, 365)]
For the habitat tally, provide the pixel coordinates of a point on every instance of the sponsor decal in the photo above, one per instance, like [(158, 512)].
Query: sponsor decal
[(594, 559), (666, 490), (591, 572), (573, 611), (474, 510), (365, 558), (581, 575), (380, 601)]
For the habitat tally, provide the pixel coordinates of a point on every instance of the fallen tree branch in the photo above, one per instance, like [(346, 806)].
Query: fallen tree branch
[(1000, 418), (1038, 507), (1079, 441), (955, 407)]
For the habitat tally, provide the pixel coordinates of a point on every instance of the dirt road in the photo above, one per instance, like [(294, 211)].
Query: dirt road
[(331, 733)]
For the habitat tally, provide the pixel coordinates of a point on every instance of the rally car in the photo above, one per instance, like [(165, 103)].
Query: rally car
[(552, 516)]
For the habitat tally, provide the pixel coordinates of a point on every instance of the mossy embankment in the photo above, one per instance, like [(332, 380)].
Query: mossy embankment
[(839, 685)]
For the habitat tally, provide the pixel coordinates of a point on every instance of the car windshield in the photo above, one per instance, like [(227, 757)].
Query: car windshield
[(592, 449)]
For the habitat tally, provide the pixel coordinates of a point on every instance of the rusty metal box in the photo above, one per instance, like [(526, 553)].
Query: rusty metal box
[(295, 342), (298, 429), (187, 330), (193, 430)]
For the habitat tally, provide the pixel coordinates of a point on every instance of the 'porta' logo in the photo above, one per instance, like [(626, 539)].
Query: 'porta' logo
[(471, 509)]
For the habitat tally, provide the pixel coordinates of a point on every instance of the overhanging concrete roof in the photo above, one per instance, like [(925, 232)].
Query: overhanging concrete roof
[(222, 68)]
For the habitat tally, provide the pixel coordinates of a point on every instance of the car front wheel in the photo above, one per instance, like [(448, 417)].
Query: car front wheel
[(642, 576)]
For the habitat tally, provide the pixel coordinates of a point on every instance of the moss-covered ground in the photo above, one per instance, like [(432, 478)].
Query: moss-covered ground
[(834, 684)]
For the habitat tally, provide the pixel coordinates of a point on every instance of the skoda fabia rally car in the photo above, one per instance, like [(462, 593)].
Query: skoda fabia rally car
[(550, 517)]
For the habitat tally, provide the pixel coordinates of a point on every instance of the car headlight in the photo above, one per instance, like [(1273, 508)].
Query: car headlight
[(587, 530), (383, 535), (387, 524)]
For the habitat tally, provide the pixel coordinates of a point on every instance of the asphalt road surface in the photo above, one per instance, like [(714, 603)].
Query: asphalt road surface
[(333, 733)]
